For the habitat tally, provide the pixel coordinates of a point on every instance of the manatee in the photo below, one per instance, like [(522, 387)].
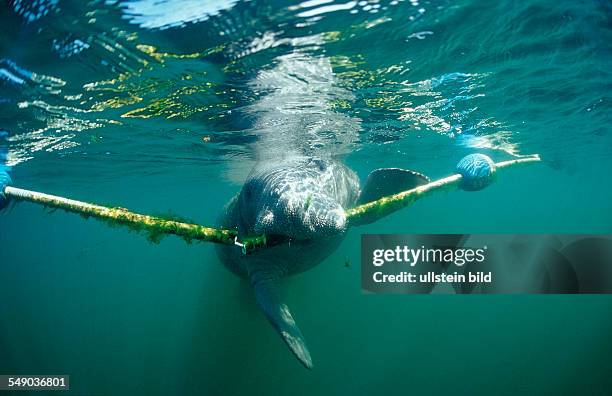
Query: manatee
[(299, 203)]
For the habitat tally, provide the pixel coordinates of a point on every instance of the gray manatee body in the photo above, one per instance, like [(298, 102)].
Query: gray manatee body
[(299, 204), (297, 200), (297, 193)]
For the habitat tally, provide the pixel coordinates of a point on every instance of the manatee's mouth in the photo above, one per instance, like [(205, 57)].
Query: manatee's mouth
[(279, 239)]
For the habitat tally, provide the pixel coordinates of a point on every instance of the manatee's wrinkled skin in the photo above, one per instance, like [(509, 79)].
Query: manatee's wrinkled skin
[(297, 202)]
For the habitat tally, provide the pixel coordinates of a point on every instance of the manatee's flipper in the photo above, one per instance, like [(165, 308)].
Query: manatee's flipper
[(278, 314), (388, 181)]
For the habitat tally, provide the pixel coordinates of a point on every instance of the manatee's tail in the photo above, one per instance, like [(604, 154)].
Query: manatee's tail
[(277, 312)]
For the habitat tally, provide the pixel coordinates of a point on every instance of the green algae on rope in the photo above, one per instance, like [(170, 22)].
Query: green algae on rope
[(375, 210), (155, 227)]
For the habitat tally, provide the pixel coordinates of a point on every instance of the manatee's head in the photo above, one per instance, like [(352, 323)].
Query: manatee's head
[(297, 201)]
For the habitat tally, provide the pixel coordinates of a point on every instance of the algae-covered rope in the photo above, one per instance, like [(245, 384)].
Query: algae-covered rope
[(372, 211), (150, 224), (475, 172)]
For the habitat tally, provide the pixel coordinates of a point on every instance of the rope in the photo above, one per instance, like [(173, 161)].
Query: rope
[(157, 226), (154, 226), (375, 210)]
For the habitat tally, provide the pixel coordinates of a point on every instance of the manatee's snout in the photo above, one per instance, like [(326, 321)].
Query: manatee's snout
[(323, 216), (302, 217)]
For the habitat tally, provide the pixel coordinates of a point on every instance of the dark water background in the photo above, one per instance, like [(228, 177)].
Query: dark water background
[(149, 105)]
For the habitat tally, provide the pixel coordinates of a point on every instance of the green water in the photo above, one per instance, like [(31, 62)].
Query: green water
[(157, 112)]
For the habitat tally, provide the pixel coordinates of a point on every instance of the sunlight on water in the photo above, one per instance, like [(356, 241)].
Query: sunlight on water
[(167, 14), (203, 82)]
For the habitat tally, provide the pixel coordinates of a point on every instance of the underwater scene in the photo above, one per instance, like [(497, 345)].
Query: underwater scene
[(189, 110)]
